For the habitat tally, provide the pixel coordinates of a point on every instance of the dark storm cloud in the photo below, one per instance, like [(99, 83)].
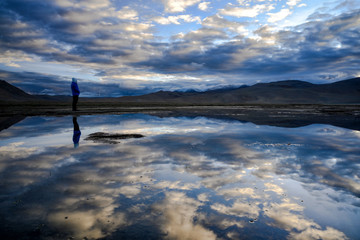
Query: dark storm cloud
[(195, 52), (73, 34), (29, 26), (324, 45)]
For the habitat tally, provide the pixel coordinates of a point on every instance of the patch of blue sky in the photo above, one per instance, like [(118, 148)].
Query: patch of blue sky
[(300, 14), (166, 32)]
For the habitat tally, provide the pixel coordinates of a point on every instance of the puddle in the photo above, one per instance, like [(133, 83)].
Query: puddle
[(187, 178)]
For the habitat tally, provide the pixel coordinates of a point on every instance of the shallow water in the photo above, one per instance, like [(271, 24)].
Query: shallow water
[(188, 178)]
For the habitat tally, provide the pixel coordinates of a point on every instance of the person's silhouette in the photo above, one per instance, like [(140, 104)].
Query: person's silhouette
[(75, 93), (77, 133)]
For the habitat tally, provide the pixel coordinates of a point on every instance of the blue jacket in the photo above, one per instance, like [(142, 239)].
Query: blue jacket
[(75, 89), (76, 136)]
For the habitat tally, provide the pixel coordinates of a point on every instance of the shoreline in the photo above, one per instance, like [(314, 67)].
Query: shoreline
[(284, 115), (91, 108)]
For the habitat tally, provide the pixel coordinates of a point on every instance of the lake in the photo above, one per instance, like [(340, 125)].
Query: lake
[(186, 178)]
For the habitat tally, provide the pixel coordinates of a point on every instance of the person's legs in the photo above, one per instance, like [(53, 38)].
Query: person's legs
[(75, 100), (76, 125)]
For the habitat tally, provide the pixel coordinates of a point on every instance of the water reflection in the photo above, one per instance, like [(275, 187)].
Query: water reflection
[(187, 179), (77, 133)]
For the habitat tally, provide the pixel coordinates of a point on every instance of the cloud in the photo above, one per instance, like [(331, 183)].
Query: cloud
[(91, 4), (11, 57), (175, 19), (178, 212), (10, 152), (218, 22), (286, 216), (334, 179), (204, 6), (88, 35), (127, 13), (238, 192), (239, 209), (298, 51), (89, 223), (311, 233), (178, 5), (275, 17), (293, 3), (274, 188), (204, 35), (176, 185), (243, 12), (216, 182)]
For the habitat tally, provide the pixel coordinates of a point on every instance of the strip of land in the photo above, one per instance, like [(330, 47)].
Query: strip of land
[(285, 115)]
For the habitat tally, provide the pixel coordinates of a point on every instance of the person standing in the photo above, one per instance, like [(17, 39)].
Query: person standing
[(75, 93)]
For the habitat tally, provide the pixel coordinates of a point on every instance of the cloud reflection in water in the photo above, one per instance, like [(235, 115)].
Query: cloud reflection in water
[(187, 179)]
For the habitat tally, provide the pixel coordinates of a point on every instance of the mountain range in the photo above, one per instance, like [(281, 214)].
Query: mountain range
[(281, 92)]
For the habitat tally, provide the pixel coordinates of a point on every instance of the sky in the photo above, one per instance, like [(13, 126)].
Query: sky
[(117, 48)]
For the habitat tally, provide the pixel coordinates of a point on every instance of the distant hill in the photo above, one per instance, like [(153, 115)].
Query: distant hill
[(9, 92), (282, 92)]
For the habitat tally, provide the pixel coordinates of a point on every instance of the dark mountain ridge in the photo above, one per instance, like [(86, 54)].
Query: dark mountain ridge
[(281, 92), (10, 92)]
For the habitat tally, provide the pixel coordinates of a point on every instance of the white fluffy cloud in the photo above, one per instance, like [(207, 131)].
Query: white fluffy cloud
[(127, 13), (243, 12), (178, 212), (176, 19), (178, 5), (239, 209), (219, 22), (88, 4), (275, 17), (293, 3), (204, 6), (289, 216), (10, 58)]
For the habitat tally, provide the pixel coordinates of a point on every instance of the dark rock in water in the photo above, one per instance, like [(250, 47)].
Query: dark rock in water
[(110, 138)]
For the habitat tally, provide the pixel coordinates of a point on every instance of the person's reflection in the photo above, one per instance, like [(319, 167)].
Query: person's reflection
[(77, 133)]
